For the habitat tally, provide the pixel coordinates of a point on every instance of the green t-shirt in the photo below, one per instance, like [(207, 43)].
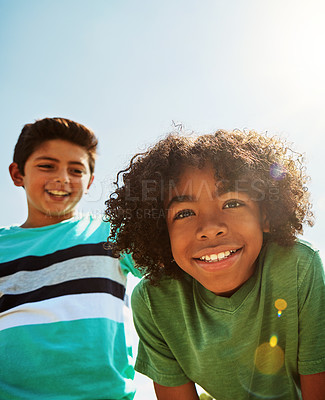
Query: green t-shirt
[(244, 347)]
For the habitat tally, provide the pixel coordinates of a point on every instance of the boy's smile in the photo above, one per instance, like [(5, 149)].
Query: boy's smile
[(56, 175), (216, 238)]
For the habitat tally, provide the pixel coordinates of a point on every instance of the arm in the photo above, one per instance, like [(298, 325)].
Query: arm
[(183, 392), (311, 355), (155, 358), (313, 386)]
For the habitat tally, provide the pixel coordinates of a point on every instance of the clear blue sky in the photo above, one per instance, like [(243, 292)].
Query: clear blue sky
[(127, 69)]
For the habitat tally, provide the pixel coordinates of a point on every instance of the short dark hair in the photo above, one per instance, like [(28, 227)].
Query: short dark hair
[(42, 130), (263, 166)]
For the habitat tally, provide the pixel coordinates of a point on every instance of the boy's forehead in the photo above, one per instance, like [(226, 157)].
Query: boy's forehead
[(193, 182), (191, 190), (58, 148), (191, 178)]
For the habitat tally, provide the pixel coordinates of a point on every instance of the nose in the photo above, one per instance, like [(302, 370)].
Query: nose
[(211, 226), (62, 176)]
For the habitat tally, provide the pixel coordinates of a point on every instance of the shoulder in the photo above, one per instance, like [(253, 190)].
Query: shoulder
[(298, 261), (308, 259), (5, 230), (301, 248), (301, 252), (304, 249), (88, 219), (89, 225), (78, 231), (11, 233)]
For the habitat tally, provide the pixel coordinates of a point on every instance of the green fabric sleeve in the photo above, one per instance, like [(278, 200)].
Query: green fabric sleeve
[(154, 356), (127, 265), (311, 292)]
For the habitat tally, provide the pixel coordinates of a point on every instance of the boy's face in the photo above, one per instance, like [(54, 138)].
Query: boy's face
[(56, 176), (214, 238)]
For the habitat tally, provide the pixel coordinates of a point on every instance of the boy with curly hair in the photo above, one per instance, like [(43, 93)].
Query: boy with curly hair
[(62, 332), (233, 301)]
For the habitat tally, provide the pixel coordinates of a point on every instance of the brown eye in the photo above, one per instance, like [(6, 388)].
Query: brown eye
[(184, 214), (45, 166), (77, 171), (233, 204)]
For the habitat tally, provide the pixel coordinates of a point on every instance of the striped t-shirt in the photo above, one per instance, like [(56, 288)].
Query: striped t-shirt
[(62, 314)]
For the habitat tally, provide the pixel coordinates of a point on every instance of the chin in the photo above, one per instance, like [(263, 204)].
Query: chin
[(59, 214)]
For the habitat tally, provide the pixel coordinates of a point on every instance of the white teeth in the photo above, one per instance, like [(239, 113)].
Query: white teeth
[(217, 257), (223, 255), (58, 192)]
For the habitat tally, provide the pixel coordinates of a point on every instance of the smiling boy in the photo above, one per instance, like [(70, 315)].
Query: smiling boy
[(221, 265), (233, 301), (55, 177), (62, 332)]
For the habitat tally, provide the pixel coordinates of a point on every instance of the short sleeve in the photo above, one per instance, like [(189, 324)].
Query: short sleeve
[(311, 292), (126, 261), (127, 265), (154, 356)]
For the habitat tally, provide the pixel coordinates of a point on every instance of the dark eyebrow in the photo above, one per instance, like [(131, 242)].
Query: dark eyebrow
[(180, 199), (56, 160), (77, 162), (46, 158)]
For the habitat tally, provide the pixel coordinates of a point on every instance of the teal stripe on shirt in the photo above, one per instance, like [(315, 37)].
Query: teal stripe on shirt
[(46, 369), (65, 234)]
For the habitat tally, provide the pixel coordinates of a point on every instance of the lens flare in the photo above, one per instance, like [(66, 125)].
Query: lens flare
[(269, 357), (280, 305), (277, 171), (273, 341)]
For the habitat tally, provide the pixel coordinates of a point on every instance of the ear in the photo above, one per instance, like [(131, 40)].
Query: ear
[(16, 175), (91, 180), (265, 223)]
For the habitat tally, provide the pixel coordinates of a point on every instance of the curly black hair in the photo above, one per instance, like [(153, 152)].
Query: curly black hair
[(264, 166)]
